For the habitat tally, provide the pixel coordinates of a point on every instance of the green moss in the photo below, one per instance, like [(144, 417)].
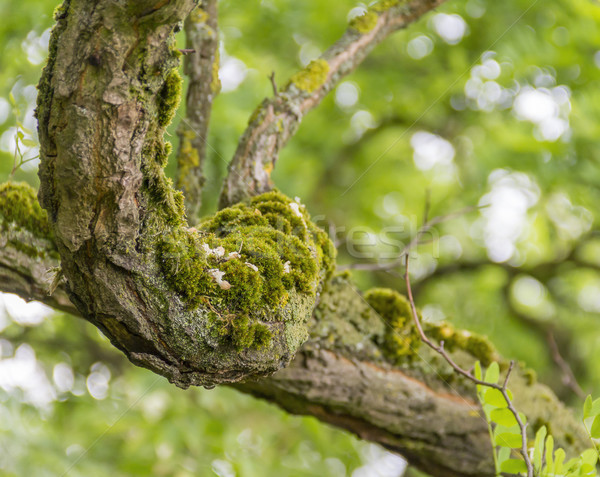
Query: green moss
[(476, 345), (401, 338), (365, 22), (265, 249), (169, 97), (19, 205), (60, 12), (481, 348), (312, 77), (385, 5)]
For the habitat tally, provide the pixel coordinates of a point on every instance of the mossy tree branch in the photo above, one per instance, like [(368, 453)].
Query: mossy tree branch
[(201, 66), (345, 376), (237, 297), (277, 119)]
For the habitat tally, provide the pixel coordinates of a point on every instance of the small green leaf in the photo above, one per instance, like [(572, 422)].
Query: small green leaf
[(495, 398), (549, 454), (595, 408), (492, 373), (504, 417), (559, 458), (513, 466), (508, 439), (595, 431), (538, 448), (477, 371), (503, 455), (590, 457), (587, 470)]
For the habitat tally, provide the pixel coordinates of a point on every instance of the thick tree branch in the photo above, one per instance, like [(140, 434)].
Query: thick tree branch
[(201, 66), (416, 408), (277, 119)]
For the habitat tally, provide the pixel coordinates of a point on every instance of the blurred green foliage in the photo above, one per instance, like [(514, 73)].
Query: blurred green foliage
[(480, 103)]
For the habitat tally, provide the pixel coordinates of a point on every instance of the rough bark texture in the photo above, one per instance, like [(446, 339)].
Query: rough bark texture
[(278, 118), (106, 96), (109, 90), (201, 66)]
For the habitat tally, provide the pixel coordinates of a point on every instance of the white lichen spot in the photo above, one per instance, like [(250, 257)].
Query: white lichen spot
[(253, 267), (286, 267), (217, 252), (233, 255), (217, 275), (296, 208)]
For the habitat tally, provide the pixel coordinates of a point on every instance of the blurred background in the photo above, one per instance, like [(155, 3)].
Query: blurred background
[(482, 104)]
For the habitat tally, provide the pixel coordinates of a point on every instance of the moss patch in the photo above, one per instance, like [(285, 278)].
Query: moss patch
[(401, 338), (385, 5), (245, 261), (312, 77), (19, 205), (169, 97), (476, 345), (365, 22)]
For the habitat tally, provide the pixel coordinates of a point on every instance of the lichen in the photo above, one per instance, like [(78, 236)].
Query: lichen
[(198, 15), (215, 84), (265, 249), (19, 205), (312, 77), (401, 338), (365, 22), (169, 97)]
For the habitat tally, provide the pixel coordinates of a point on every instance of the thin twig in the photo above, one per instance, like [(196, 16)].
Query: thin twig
[(502, 388), (568, 377), (273, 84)]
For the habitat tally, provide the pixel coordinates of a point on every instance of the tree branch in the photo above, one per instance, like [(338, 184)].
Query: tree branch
[(201, 66), (277, 119), (341, 377)]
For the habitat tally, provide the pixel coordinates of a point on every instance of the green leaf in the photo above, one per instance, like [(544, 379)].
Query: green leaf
[(587, 470), (587, 407), (595, 408), (549, 454), (492, 373), (538, 448), (477, 370), (559, 458), (504, 417), (503, 455), (513, 466), (595, 431), (590, 457), (508, 439), (495, 398)]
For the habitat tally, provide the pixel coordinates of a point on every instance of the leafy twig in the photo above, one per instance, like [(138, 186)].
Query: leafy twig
[(500, 387)]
